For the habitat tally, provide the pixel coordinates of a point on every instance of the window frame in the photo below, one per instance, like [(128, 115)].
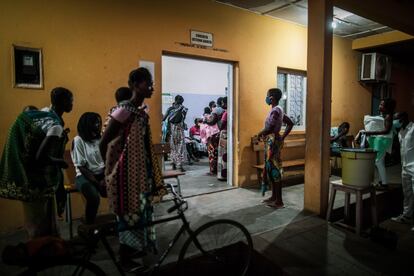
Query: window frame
[(288, 71)]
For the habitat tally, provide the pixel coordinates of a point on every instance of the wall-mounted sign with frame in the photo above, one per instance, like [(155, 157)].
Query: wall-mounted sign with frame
[(28, 67), (201, 38)]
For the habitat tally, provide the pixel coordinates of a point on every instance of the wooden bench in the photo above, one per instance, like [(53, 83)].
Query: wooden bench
[(160, 150), (295, 141)]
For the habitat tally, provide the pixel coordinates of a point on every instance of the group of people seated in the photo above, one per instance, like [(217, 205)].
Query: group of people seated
[(208, 136)]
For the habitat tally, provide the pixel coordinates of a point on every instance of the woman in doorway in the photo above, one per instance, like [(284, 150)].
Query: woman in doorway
[(222, 146), (213, 135), (381, 141), (273, 143), (175, 117), (88, 163), (132, 172)]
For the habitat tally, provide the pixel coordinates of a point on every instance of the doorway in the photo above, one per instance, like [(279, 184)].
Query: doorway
[(199, 82)]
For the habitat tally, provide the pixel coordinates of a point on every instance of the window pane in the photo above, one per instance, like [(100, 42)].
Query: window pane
[(296, 99)]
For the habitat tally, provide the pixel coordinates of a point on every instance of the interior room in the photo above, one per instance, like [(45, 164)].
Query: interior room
[(333, 61), (199, 82)]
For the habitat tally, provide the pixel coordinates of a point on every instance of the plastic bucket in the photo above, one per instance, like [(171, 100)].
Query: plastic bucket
[(358, 166)]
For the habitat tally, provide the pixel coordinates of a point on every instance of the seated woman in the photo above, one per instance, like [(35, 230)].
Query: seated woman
[(191, 148), (195, 135), (88, 162), (338, 138)]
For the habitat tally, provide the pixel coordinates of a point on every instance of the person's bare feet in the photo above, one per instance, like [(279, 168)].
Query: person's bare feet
[(276, 205), (269, 200)]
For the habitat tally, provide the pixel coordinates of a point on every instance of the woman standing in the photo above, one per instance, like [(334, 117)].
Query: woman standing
[(214, 135), (273, 144), (222, 145), (88, 162), (175, 116), (381, 141), (132, 172)]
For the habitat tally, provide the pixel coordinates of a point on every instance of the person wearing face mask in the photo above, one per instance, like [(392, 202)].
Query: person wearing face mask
[(273, 144), (406, 139), (88, 163)]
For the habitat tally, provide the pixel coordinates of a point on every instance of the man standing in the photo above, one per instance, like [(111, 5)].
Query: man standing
[(406, 138)]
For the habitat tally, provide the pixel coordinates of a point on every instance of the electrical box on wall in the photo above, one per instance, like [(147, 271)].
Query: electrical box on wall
[(28, 71), (375, 67)]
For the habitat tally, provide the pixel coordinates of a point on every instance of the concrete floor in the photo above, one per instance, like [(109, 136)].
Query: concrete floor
[(296, 241), (196, 181)]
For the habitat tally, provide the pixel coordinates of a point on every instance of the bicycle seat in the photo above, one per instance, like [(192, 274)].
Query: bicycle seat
[(104, 225)]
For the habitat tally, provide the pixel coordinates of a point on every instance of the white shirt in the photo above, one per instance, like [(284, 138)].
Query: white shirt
[(87, 154), (406, 137)]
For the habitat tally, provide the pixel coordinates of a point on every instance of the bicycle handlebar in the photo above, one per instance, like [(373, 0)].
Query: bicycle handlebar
[(171, 186)]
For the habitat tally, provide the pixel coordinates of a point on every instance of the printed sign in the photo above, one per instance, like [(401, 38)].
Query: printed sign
[(201, 38)]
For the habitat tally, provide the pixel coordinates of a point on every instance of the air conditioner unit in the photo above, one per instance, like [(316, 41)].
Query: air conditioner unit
[(375, 67)]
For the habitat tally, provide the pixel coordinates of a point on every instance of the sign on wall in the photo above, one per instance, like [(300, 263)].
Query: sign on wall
[(201, 38)]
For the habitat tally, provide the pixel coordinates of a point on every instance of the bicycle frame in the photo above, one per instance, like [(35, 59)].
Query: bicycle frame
[(185, 227)]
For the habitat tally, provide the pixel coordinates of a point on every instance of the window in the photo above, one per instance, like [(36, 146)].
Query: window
[(293, 86)]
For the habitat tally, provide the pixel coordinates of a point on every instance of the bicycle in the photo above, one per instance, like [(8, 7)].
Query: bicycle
[(210, 249)]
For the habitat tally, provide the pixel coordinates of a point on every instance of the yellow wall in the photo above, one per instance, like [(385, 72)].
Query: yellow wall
[(350, 100), (380, 39), (90, 47)]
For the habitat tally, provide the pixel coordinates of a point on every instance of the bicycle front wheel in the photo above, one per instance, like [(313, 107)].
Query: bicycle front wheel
[(223, 247), (64, 267)]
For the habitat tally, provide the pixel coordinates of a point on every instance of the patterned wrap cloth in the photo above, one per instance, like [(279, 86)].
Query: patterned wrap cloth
[(177, 143), (273, 170), (23, 178), (272, 147), (133, 179), (222, 156)]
